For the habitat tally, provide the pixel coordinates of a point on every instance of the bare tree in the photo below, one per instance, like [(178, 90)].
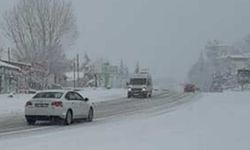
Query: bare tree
[(40, 30), (137, 69)]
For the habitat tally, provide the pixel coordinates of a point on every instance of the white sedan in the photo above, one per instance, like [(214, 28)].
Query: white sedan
[(58, 105)]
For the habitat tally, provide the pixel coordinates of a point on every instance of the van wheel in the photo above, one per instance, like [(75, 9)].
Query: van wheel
[(150, 95), (69, 118), (31, 121)]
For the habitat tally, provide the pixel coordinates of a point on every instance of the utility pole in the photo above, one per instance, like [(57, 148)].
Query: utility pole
[(77, 69), (8, 54), (74, 73)]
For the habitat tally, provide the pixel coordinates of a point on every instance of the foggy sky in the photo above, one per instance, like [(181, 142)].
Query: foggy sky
[(165, 36)]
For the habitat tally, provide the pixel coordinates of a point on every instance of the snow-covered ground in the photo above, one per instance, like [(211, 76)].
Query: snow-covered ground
[(13, 106), (100, 94), (219, 121)]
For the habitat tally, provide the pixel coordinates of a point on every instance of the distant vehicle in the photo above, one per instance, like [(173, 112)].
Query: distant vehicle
[(58, 105), (189, 88), (216, 88), (140, 85)]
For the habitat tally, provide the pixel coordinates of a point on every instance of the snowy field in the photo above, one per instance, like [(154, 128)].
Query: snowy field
[(14, 106), (219, 121)]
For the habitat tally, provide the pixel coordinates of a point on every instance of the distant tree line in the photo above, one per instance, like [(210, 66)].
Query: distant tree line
[(210, 72), (101, 72)]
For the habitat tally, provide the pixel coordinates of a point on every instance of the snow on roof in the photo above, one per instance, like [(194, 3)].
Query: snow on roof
[(141, 75), (3, 64), (246, 56)]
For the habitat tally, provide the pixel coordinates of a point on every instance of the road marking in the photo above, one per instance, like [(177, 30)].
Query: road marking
[(23, 131)]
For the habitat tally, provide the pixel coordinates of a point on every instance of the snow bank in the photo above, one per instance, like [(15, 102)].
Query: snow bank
[(13, 106), (215, 122)]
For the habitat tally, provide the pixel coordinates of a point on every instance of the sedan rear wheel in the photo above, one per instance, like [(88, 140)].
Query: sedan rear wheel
[(69, 118)]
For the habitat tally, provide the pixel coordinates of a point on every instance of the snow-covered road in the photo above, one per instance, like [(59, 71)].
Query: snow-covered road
[(103, 110), (168, 121)]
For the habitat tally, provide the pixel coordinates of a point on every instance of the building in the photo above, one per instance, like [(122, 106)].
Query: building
[(9, 75), (236, 62), (22, 77)]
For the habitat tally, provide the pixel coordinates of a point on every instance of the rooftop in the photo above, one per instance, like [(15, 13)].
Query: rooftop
[(6, 65)]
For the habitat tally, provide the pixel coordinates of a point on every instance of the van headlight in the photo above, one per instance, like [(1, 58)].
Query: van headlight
[(129, 89), (143, 89)]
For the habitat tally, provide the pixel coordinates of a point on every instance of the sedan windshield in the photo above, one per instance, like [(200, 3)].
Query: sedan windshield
[(48, 95)]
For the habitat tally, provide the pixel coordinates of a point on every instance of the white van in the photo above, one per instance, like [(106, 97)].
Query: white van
[(140, 85)]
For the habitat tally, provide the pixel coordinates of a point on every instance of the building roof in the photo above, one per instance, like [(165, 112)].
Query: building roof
[(236, 57), (141, 75), (6, 65)]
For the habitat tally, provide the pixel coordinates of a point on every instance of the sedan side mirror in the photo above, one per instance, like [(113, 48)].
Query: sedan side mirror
[(86, 99)]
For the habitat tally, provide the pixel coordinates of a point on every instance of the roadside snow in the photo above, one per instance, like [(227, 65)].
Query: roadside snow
[(100, 94), (215, 122), (13, 106)]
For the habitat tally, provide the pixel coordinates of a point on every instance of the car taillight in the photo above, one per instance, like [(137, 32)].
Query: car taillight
[(57, 104), (28, 104)]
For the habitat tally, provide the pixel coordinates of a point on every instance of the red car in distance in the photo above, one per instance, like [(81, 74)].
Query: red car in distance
[(189, 88)]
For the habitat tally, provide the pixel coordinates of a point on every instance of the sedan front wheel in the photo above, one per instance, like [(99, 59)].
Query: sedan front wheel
[(90, 115)]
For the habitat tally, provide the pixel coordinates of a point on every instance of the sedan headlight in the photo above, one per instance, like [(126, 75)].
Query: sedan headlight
[(129, 89), (143, 89)]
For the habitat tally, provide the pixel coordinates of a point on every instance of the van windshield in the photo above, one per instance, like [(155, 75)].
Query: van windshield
[(138, 81)]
